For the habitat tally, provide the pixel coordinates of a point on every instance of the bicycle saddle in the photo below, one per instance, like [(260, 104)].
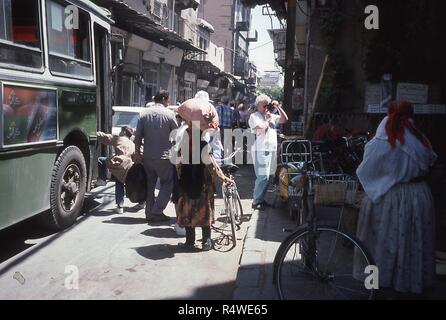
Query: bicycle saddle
[(228, 168)]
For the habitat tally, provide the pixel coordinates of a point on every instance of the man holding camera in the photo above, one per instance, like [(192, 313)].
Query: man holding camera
[(263, 124)]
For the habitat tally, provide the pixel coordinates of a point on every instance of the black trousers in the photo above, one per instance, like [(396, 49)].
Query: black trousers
[(190, 234)]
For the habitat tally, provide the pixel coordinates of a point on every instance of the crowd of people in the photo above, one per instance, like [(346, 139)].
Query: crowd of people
[(191, 186), (396, 220)]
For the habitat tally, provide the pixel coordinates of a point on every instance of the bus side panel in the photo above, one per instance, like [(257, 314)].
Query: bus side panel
[(25, 185), (77, 110)]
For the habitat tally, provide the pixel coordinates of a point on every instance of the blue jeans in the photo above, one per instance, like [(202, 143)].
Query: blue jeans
[(102, 168), (119, 193), (119, 187), (264, 167)]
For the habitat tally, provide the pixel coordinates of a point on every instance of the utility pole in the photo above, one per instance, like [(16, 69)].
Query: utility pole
[(289, 63)]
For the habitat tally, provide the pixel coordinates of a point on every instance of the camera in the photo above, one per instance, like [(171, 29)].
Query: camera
[(270, 107)]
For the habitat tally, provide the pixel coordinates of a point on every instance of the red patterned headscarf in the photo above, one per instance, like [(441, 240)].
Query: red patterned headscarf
[(398, 118)]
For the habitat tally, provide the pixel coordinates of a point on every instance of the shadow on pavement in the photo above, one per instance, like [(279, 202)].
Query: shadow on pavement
[(102, 213), (162, 251), (17, 236), (221, 291), (134, 210), (126, 220), (161, 233)]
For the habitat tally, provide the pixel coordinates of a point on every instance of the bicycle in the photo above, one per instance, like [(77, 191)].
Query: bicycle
[(320, 261), (233, 211), (291, 151)]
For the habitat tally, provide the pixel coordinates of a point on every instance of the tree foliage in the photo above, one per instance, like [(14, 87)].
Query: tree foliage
[(275, 92)]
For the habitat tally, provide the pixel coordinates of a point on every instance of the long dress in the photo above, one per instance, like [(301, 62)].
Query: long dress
[(195, 206), (396, 218)]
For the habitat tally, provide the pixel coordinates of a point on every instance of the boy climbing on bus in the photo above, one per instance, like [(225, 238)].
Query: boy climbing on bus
[(119, 164)]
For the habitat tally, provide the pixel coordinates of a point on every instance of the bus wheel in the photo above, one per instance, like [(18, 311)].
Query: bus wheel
[(68, 185)]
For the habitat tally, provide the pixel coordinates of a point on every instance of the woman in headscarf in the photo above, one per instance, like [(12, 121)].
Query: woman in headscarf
[(195, 203), (396, 218)]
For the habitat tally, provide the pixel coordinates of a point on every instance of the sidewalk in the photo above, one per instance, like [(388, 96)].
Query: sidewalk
[(263, 238)]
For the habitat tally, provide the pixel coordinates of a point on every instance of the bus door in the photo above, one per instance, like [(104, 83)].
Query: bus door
[(103, 82)]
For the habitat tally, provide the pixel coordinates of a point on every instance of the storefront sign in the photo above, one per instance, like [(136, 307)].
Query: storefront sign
[(372, 94), (189, 76), (429, 108), (29, 115), (202, 83), (412, 92)]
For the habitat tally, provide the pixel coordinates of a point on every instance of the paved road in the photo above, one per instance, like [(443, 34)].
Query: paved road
[(117, 256)]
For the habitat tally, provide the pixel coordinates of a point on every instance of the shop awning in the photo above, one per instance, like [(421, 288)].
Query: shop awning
[(140, 24), (204, 69)]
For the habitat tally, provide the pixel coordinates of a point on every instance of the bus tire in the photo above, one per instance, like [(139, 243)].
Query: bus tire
[(68, 185)]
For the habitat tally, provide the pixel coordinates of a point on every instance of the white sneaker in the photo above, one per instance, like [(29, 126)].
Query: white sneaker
[(179, 231), (119, 210), (100, 183)]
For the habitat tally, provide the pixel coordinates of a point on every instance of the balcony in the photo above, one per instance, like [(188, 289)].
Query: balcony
[(171, 20), (241, 66)]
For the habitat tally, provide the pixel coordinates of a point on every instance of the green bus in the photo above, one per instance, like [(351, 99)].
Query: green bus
[(55, 93)]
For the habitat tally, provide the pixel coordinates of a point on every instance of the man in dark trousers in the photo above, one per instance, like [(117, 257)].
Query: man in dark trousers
[(154, 126)]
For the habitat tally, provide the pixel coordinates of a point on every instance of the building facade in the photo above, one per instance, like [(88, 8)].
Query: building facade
[(232, 23), (149, 40)]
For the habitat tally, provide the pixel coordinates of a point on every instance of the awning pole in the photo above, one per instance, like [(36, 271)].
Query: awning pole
[(289, 63)]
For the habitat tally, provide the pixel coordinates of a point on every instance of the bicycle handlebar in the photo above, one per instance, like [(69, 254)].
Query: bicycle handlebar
[(219, 172)]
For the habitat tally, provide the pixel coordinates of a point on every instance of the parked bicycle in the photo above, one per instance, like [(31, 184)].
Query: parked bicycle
[(232, 213), (319, 261)]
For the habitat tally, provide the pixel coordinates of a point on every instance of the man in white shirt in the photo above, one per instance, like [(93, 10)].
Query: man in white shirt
[(263, 124)]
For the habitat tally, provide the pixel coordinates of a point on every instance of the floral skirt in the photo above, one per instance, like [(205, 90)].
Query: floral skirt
[(197, 212), (398, 230)]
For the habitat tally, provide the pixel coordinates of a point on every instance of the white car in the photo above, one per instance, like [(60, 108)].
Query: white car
[(125, 116), (128, 116)]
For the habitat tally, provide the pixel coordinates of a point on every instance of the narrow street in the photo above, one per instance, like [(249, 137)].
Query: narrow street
[(118, 256)]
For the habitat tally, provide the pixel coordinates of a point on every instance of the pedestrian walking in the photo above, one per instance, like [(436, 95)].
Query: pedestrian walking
[(264, 124), (226, 119), (154, 126), (396, 218)]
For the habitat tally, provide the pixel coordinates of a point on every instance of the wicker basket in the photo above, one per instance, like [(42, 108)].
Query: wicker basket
[(335, 190)]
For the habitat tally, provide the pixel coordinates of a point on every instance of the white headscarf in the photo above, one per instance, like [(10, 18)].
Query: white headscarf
[(384, 166)]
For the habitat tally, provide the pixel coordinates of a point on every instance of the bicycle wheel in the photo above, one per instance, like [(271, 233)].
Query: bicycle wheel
[(226, 240), (324, 264), (238, 210), (231, 215)]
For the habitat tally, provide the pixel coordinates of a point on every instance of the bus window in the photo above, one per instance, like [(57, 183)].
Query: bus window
[(20, 42), (69, 42)]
